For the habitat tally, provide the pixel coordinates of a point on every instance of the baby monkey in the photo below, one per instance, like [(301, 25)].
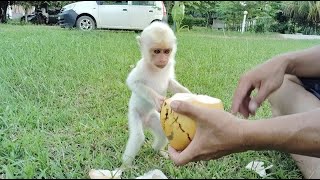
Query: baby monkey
[(149, 81)]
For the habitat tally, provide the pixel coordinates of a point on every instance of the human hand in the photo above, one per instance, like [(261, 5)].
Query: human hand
[(266, 78), (218, 133)]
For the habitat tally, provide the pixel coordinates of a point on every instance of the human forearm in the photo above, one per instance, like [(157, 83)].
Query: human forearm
[(297, 133), (304, 63)]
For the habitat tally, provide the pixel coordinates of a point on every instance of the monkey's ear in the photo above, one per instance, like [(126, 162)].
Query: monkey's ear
[(175, 40), (139, 40)]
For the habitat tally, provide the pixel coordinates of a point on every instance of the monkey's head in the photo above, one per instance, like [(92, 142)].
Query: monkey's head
[(158, 44)]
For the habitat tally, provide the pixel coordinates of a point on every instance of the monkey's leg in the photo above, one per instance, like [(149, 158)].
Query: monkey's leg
[(136, 138), (160, 139)]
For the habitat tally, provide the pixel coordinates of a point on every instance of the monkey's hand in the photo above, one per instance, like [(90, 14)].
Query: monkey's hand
[(159, 101)]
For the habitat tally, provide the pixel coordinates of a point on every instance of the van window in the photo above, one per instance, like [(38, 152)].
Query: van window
[(114, 3), (143, 3)]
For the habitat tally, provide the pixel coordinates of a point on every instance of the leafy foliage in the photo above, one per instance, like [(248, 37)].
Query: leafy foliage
[(201, 9), (275, 16), (178, 14), (50, 4), (305, 14)]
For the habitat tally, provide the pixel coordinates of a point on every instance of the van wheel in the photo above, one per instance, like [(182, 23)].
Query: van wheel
[(85, 23), (156, 20)]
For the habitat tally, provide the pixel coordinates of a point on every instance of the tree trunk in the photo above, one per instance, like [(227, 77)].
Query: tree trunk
[(26, 14), (3, 11), (315, 27), (168, 5), (208, 17), (174, 22)]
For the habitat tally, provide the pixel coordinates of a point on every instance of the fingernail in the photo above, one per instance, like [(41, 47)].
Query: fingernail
[(253, 106), (174, 105)]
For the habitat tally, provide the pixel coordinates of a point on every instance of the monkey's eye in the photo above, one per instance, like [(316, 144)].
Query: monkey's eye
[(156, 51), (167, 51)]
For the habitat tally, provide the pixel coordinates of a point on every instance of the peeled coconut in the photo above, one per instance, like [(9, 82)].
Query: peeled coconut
[(105, 174), (179, 128)]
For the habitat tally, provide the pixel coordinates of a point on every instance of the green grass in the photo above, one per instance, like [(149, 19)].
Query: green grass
[(63, 100)]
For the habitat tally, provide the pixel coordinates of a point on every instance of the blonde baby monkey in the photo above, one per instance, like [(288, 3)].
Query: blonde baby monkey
[(149, 82)]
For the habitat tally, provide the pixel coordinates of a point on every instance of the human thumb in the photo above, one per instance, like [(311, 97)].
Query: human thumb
[(255, 102), (185, 108)]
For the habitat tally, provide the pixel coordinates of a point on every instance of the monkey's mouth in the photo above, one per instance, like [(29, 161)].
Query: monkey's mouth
[(161, 66)]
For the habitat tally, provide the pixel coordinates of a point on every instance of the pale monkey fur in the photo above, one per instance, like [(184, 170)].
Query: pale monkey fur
[(149, 85)]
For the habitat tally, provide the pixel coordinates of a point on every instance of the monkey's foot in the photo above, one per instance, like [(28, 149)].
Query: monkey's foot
[(124, 167), (164, 154), (127, 159)]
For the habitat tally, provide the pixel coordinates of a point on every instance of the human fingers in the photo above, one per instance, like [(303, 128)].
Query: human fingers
[(179, 158), (256, 101), (243, 109), (243, 89)]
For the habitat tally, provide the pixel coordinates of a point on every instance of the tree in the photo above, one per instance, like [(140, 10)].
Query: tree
[(264, 12), (3, 11), (304, 13), (168, 5), (203, 8), (231, 12), (39, 4), (26, 5), (178, 14)]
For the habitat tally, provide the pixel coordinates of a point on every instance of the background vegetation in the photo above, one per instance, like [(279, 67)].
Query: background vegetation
[(264, 16)]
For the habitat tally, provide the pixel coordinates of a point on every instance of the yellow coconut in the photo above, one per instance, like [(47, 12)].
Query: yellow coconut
[(179, 128)]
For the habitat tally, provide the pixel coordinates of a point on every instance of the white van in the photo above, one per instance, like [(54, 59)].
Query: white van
[(134, 15)]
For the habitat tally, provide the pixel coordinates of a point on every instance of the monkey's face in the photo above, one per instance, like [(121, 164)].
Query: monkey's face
[(160, 56), (158, 44)]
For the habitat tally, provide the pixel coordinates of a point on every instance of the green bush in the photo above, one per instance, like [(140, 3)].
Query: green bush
[(170, 20), (192, 21), (291, 29), (279, 27), (310, 31), (263, 24)]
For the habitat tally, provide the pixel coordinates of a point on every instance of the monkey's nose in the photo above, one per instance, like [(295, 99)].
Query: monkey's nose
[(163, 61)]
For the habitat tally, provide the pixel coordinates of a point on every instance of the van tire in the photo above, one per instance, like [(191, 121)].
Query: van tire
[(156, 20), (85, 23)]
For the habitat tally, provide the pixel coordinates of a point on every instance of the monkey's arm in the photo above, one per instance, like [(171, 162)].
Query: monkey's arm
[(147, 93), (176, 87)]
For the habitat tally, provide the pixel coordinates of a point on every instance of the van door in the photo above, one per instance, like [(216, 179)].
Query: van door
[(142, 13), (114, 14)]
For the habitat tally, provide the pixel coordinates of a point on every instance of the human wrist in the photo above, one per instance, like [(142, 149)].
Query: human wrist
[(243, 135), (256, 136), (289, 60)]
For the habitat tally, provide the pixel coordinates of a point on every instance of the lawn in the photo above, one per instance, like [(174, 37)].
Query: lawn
[(63, 100)]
